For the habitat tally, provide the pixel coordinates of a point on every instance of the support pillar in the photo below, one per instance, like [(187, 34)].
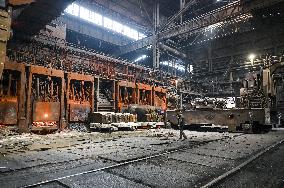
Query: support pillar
[(22, 102), (67, 97), (5, 27), (63, 122), (156, 21), (114, 95), (181, 100), (97, 94), (29, 102), (137, 95), (151, 97), (93, 97)]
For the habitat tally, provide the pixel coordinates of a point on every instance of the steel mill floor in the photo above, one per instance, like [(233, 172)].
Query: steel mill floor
[(147, 158)]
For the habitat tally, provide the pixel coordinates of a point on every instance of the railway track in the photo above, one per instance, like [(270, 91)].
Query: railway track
[(231, 172), (113, 167), (56, 180), (214, 182)]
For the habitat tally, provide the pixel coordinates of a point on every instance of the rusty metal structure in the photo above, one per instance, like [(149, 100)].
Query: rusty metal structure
[(80, 97), (46, 86), (48, 82), (235, 120), (5, 30), (45, 97), (12, 92)]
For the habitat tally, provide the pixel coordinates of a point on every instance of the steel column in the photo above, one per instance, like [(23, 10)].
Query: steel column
[(29, 108), (62, 123), (156, 51), (98, 94)]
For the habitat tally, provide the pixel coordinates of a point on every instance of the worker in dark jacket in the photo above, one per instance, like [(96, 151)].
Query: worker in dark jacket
[(181, 124)]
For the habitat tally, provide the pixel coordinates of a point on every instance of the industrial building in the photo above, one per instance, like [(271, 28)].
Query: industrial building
[(141, 93)]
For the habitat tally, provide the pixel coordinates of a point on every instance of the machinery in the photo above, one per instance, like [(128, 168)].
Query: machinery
[(258, 104), (127, 94), (45, 98), (235, 120), (12, 95), (80, 96), (46, 86)]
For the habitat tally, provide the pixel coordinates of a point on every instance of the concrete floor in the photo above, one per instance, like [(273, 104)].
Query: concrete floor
[(266, 171), (28, 159)]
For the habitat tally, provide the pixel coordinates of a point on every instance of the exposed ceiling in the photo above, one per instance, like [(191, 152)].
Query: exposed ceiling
[(139, 14)]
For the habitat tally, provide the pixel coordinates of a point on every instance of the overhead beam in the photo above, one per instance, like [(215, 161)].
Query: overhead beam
[(177, 15), (136, 45), (224, 13), (172, 50), (155, 46)]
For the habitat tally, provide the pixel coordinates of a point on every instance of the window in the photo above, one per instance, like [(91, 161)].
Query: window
[(126, 31), (86, 14), (117, 27), (91, 17), (134, 34), (140, 58), (69, 9), (98, 19), (172, 64), (107, 23), (75, 10), (141, 36)]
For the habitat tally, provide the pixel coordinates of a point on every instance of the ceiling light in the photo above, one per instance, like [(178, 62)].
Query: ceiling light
[(251, 57)]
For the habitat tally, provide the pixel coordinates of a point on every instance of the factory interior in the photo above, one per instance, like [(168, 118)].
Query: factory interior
[(141, 93)]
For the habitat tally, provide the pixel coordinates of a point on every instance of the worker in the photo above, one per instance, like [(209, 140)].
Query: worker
[(181, 124)]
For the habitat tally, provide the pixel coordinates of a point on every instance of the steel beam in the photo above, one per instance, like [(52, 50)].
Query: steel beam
[(174, 51), (222, 14), (184, 8), (155, 46), (225, 13), (134, 45)]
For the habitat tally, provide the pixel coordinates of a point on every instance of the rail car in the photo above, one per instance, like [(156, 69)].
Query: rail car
[(235, 120), (35, 98)]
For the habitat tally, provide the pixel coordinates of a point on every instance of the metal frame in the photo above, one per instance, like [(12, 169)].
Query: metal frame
[(83, 78), (47, 72), (125, 84), (20, 68)]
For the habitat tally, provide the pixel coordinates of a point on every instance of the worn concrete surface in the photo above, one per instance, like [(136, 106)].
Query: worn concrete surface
[(28, 159), (266, 171)]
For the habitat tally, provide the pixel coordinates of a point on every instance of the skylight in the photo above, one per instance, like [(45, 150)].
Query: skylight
[(141, 58), (98, 19), (171, 64)]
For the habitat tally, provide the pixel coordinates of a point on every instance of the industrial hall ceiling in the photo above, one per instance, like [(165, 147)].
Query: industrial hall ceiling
[(182, 25)]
